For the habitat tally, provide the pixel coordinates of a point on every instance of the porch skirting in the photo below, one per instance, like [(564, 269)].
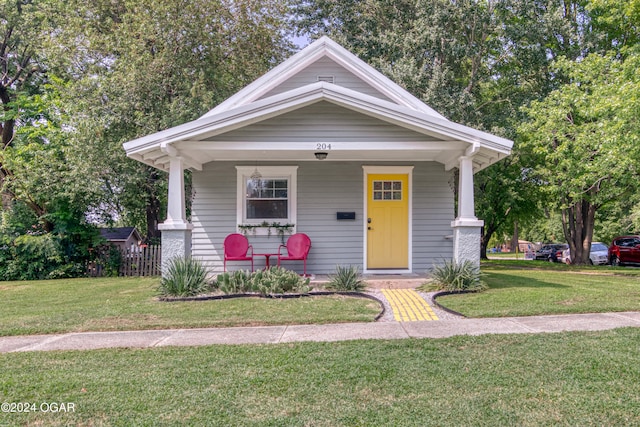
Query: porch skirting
[(466, 241), (175, 244)]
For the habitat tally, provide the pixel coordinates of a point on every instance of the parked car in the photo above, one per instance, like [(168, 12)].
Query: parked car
[(598, 255), (551, 252), (625, 250)]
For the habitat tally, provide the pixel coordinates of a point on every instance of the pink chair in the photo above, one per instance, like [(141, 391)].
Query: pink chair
[(297, 247), (236, 248)]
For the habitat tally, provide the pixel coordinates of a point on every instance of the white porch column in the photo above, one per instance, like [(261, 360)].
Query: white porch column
[(466, 203), (176, 231), (176, 205), (466, 227)]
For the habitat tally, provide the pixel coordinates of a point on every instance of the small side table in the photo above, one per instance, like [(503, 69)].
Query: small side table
[(266, 259)]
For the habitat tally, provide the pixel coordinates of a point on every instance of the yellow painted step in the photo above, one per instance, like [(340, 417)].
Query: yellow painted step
[(408, 305)]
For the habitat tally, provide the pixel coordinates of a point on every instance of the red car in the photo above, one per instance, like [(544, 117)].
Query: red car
[(625, 249)]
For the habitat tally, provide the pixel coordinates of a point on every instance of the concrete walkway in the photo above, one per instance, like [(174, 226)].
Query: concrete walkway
[(336, 332)]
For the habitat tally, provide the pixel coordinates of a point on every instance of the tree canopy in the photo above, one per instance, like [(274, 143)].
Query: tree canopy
[(557, 76)]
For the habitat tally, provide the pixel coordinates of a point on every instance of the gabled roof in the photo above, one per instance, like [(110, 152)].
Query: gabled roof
[(119, 234), (324, 47), (202, 140)]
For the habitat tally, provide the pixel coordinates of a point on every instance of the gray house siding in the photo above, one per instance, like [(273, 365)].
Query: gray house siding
[(325, 67), (433, 211), (332, 122), (324, 188)]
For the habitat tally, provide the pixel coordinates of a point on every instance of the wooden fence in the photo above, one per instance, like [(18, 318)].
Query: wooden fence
[(143, 261), (140, 261)]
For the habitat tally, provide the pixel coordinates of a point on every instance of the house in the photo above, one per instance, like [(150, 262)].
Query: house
[(325, 145), (124, 238)]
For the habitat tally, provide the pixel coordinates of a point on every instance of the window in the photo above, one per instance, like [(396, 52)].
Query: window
[(387, 190), (268, 198)]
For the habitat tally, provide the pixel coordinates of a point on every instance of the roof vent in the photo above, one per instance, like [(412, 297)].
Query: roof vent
[(328, 79)]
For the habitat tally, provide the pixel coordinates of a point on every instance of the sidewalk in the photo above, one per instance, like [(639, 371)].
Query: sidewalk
[(334, 332)]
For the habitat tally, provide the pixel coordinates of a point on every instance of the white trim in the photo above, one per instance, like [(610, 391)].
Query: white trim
[(467, 223), (336, 145), (399, 170), (288, 172), (324, 47), (247, 107), (244, 115)]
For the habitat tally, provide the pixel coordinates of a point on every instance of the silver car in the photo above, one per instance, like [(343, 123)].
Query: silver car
[(598, 255)]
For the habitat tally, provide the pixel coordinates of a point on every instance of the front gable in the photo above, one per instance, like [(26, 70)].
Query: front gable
[(325, 56), (327, 70), (322, 94)]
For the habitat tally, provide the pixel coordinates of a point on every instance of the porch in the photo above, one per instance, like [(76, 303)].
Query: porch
[(321, 134)]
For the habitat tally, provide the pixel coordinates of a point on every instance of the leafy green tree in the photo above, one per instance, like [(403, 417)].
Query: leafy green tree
[(138, 67), (584, 134), (477, 62), (22, 27), (584, 139)]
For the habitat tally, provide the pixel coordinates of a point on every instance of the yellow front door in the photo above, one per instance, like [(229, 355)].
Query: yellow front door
[(387, 221)]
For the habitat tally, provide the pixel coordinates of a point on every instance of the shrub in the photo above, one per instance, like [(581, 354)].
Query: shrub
[(235, 282), (278, 280), (452, 276), (38, 257), (347, 279), (184, 277), (275, 280), (28, 251), (32, 257)]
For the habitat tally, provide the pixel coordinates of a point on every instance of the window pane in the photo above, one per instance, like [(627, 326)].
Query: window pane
[(267, 209), (253, 188), (267, 189)]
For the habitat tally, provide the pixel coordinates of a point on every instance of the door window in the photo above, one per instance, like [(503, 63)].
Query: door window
[(387, 190)]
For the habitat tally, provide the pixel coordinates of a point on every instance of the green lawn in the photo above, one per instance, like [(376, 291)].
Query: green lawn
[(506, 255), (565, 379), (53, 306), (524, 288), (578, 378), (517, 288)]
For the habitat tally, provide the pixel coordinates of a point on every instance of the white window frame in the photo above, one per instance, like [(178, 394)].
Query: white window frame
[(289, 173)]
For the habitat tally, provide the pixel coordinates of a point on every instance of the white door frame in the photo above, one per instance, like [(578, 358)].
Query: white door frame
[(400, 170)]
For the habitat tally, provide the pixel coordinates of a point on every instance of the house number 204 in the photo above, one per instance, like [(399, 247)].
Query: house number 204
[(322, 146)]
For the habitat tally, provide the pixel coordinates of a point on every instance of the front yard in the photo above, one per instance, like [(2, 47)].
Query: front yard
[(113, 304), (527, 288), (578, 378), (516, 288)]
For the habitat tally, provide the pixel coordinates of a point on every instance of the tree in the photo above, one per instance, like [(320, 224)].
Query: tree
[(21, 29), (138, 67), (477, 62), (501, 201), (47, 174), (584, 140)]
